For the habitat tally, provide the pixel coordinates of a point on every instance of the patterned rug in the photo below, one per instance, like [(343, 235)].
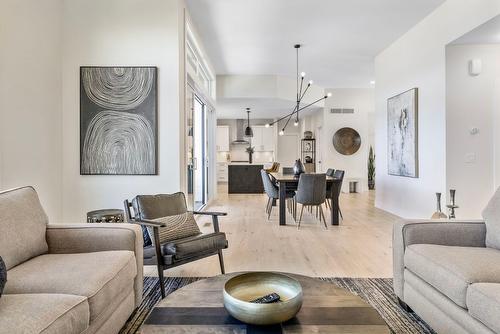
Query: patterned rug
[(376, 291)]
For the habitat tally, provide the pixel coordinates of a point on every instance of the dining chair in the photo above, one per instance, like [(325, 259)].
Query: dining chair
[(287, 170), (272, 192), (274, 167), (176, 237), (311, 193), (330, 172), (337, 188)]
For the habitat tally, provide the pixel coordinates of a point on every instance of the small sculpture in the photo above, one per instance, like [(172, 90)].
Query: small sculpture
[(438, 214), (452, 206)]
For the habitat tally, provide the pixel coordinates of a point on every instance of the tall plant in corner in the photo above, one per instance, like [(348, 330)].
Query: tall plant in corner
[(371, 169)]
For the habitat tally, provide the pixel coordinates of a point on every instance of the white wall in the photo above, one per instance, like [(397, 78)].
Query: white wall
[(121, 32), (417, 59), (470, 102), (362, 101), (30, 99)]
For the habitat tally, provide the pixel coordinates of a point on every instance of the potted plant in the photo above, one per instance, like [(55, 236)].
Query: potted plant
[(250, 151), (371, 169)]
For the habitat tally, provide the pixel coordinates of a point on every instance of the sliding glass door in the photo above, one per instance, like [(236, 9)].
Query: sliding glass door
[(197, 166)]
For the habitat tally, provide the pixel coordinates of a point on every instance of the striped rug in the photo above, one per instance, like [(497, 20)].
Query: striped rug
[(376, 291)]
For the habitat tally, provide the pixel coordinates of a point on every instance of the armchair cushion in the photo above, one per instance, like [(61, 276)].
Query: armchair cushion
[(483, 302), (491, 215), (177, 227), (189, 247), (451, 269), (44, 313), (22, 226), (99, 276)]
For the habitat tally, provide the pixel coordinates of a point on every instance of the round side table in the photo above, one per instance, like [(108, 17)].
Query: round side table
[(106, 216)]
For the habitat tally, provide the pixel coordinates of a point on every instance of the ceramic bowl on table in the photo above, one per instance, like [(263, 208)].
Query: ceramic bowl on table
[(240, 290)]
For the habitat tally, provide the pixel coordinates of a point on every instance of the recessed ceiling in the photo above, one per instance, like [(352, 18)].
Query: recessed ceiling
[(487, 33), (340, 37)]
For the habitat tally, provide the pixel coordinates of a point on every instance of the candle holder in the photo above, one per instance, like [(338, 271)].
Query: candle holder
[(438, 214), (452, 206)]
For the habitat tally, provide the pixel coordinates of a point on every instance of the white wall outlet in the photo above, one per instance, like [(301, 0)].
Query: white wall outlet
[(475, 67), (470, 158)]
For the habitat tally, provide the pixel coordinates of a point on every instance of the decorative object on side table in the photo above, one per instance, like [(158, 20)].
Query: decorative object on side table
[(308, 134), (241, 291), (452, 206), (346, 141), (298, 167), (250, 151), (105, 216), (308, 154), (3, 275), (402, 134), (118, 121), (438, 214), (371, 169)]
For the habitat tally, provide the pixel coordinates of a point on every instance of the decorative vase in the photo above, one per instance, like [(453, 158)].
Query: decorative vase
[(438, 214), (298, 167)]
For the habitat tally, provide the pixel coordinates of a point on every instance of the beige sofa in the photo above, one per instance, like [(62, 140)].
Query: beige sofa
[(65, 279), (449, 272)]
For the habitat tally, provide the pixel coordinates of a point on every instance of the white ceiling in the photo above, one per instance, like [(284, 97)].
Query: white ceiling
[(340, 37), (487, 33)]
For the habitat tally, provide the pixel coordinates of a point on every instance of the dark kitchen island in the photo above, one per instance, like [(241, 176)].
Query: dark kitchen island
[(245, 179)]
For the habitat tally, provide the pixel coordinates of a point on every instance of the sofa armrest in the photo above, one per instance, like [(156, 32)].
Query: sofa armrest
[(470, 233), (86, 238)]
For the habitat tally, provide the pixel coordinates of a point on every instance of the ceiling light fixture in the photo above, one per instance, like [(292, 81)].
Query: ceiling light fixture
[(301, 92), (248, 130)]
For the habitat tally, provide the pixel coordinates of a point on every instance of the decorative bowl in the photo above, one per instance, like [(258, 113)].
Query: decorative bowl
[(241, 289)]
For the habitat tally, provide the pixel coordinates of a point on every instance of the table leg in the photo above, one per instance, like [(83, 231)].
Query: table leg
[(282, 186), (334, 208)]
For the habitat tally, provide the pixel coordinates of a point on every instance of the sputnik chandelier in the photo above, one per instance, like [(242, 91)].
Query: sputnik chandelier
[(301, 92)]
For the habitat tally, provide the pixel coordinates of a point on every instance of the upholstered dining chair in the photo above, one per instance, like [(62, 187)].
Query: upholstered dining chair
[(311, 192), (287, 170), (175, 237), (337, 188), (272, 193)]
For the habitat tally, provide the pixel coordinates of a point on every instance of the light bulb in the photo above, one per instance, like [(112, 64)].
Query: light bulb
[(303, 74), (282, 132), (296, 123), (310, 82), (372, 82), (267, 125), (329, 94)]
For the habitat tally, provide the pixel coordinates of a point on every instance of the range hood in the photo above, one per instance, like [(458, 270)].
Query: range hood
[(240, 133)]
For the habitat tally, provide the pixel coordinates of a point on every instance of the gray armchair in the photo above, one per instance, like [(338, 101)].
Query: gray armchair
[(147, 209), (448, 272)]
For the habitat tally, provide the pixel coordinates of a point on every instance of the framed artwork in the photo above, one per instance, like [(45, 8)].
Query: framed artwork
[(118, 120), (402, 134)]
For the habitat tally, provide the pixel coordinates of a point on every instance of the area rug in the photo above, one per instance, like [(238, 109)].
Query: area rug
[(376, 291)]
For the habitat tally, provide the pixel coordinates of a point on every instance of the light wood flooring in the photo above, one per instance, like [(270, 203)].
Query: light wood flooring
[(359, 247)]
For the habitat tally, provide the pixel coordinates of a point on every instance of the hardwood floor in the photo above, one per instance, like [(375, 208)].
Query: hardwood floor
[(359, 247)]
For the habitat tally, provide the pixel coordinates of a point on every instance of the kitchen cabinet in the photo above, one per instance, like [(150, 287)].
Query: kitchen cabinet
[(263, 138), (222, 138)]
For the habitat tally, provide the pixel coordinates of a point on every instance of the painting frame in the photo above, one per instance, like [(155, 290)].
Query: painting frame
[(147, 113), (406, 163)]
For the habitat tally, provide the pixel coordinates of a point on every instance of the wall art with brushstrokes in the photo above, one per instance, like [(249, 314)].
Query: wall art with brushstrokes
[(118, 120), (402, 128)]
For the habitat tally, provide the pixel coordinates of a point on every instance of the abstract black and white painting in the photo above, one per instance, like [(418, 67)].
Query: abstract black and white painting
[(118, 120), (402, 126)]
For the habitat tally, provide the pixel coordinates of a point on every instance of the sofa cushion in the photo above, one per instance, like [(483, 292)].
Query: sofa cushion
[(43, 313), (189, 247), (483, 302), (491, 215), (99, 276), (452, 269), (22, 226)]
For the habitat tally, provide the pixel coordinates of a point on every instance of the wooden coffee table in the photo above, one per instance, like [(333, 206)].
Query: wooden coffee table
[(198, 308)]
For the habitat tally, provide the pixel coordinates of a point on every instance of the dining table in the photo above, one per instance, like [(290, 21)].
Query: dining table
[(291, 181)]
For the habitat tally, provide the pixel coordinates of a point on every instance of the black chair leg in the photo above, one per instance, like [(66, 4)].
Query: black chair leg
[(221, 262), (162, 281), (341, 216), (404, 306)]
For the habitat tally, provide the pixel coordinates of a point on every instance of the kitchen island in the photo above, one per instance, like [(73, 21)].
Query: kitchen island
[(245, 179)]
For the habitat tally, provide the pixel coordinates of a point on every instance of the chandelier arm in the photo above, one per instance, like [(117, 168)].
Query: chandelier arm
[(288, 120), (300, 109), (305, 90)]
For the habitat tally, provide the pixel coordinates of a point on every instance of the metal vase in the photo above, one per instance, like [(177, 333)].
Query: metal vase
[(298, 167), (438, 214)]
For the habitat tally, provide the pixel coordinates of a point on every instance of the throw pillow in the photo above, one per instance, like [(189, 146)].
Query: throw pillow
[(3, 275), (491, 215), (177, 227)]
